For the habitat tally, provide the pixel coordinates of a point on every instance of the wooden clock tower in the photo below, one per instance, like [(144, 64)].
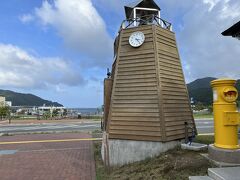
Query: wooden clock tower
[(145, 97)]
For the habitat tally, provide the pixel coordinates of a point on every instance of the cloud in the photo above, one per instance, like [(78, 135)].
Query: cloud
[(20, 69), (211, 3), (26, 18), (198, 26), (81, 27), (204, 50)]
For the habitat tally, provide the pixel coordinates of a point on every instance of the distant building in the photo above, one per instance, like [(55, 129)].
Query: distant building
[(43, 109), (2, 101), (233, 31), (8, 103)]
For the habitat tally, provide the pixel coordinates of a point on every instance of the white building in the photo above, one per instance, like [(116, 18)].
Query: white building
[(2, 101), (8, 103), (44, 109)]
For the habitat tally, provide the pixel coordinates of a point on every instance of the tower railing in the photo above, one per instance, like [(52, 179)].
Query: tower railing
[(146, 20)]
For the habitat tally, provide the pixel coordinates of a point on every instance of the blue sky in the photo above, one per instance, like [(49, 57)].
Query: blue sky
[(60, 49)]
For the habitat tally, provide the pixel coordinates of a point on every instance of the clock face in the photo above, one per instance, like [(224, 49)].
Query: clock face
[(136, 39)]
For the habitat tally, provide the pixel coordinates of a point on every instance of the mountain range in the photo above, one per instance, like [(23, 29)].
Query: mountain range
[(20, 99), (201, 91)]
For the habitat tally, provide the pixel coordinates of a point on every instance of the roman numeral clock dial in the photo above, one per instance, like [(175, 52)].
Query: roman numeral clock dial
[(136, 39)]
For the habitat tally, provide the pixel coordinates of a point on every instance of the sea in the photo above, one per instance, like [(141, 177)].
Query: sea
[(86, 111)]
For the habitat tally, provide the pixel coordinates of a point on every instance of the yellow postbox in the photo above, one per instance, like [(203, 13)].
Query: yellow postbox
[(226, 115)]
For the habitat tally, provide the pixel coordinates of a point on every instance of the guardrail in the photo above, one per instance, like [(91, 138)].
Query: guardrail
[(146, 20)]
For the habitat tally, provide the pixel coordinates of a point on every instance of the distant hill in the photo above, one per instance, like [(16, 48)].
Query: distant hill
[(201, 91), (19, 99)]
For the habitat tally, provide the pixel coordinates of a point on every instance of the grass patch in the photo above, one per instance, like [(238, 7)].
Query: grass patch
[(24, 117), (175, 164), (206, 139), (200, 116), (100, 170), (97, 133), (92, 117), (6, 134)]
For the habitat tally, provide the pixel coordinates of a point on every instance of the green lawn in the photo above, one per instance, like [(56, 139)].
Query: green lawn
[(200, 116), (204, 139), (25, 117)]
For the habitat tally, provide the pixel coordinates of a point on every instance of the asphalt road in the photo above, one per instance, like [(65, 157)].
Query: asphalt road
[(50, 127), (204, 126)]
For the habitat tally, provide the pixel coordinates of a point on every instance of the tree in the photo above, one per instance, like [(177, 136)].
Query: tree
[(54, 113), (46, 115), (199, 106), (64, 112), (4, 112)]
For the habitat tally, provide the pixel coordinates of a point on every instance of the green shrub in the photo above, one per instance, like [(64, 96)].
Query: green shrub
[(4, 111)]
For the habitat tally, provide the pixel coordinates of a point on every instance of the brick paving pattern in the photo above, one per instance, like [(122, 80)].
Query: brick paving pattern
[(48, 161)]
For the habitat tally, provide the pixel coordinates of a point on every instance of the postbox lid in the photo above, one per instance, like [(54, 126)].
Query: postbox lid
[(223, 81)]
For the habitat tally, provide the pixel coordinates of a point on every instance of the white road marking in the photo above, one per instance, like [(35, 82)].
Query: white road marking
[(203, 127), (207, 122)]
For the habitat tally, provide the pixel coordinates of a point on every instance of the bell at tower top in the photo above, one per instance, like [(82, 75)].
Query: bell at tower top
[(144, 12)]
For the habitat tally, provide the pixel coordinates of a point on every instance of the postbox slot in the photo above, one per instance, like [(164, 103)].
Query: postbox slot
[(230, 94), (231, 118)]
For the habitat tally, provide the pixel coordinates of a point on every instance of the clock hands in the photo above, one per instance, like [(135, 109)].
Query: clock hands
[(138, 40)]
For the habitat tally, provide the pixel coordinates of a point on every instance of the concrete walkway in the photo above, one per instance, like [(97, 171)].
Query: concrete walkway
[(47, 157), (228, 173)]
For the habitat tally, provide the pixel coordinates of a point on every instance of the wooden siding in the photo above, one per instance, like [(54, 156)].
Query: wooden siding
[(107, 99), (176, 105), (149, 99), (134, 110)]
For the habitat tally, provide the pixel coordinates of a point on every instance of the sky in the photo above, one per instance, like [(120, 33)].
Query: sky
[(60, 49)]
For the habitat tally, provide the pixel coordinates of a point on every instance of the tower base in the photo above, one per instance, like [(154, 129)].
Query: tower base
[(121, 152)]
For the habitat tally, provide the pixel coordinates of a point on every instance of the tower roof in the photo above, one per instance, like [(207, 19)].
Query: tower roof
[(142, 4)]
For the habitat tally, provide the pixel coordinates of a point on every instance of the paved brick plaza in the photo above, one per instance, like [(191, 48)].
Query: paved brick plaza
[(47, 161)]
